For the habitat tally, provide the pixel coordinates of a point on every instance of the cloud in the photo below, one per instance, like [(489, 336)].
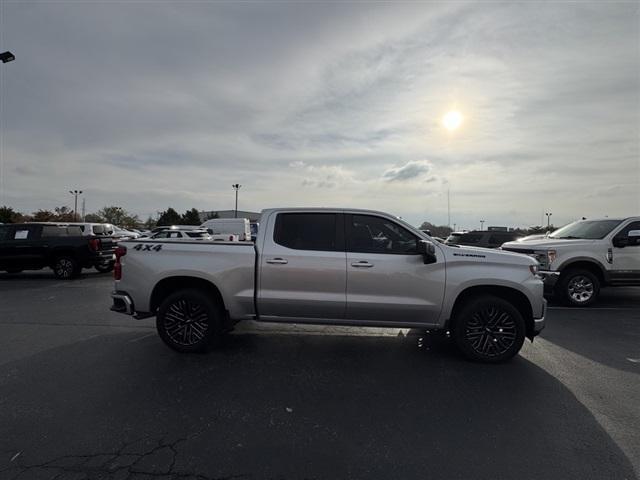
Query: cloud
[(408, 171)]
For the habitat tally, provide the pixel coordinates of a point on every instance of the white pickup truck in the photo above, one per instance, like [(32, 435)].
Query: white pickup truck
[(332, 266), (579, 258)]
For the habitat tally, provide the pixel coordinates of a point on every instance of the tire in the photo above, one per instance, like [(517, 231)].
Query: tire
[(578, 287), (104, 267), (488, 329), (66, 268), (189, 321)]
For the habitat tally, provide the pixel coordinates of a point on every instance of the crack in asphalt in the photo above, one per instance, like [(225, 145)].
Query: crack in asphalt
[(133, 460)]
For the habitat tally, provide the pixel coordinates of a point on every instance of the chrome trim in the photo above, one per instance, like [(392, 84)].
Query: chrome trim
[(126, 299)]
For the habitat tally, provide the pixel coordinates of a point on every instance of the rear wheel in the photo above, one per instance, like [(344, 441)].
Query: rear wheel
[(66, 268), (579, 288), (189, 321), (488, 329)]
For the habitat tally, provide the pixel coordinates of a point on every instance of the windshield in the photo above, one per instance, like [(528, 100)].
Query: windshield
[(588, 230)]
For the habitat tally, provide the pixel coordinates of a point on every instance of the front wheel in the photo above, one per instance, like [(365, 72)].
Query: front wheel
[(189, 321), (488, 329), (579, 288)]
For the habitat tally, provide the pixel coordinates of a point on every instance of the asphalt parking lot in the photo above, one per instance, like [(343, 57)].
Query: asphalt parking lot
[(87, 393)]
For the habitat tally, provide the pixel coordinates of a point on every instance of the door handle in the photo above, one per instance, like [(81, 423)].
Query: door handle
[(277, 261), (362, 264)]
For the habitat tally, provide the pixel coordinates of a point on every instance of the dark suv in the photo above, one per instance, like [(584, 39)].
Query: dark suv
[(63, 248), (483, 238)]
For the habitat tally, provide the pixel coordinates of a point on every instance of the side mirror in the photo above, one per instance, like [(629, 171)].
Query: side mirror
[(633, 237), (428, 251), (620, 242)]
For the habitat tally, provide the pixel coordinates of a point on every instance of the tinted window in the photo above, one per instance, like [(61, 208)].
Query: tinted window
[(471, 238), (99, 230), (633, 241), (4, 233), (197, 234), (53, 231), (306, 231), (369, 234)]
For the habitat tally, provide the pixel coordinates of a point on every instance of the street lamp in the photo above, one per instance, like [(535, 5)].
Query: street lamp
[(548, 219), (236, 187), (6, 57), (482, 225), (75, 194)]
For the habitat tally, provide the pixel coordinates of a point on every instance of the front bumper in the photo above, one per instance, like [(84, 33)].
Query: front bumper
[(550, 278), (539, 323)]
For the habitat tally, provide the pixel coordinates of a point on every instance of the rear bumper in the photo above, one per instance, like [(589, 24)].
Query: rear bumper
[(122, 303)]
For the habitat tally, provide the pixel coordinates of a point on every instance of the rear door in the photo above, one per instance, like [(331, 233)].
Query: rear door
[(387, 280), (302, 269), (6, 236), (27, 249)]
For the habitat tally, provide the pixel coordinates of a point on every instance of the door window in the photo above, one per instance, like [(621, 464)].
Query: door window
[(4, 233), (370, 234), (307, 231), (633, 241)]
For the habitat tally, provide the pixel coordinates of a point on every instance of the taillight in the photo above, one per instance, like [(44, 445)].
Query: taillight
[(94, 244), (231, 238), (119, 252)]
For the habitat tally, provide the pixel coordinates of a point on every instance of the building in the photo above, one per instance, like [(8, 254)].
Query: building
[(252, 216)]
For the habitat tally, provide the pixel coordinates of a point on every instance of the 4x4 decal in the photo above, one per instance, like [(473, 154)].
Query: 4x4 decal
[(148, 247)]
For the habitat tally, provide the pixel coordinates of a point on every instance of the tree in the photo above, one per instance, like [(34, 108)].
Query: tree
[(150, 223), (112, 214), (43, 216), (212, 216), (93, 218), (130, 221), (8, 215), (191, 217), (64, 214), (169, 217)]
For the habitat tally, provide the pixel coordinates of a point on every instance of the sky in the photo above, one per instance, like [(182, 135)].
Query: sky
[(147, 105)]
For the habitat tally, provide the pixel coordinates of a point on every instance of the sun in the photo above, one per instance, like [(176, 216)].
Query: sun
[(452, 120)]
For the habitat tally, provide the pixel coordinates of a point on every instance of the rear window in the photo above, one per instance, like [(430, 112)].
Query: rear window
[(98, 230), (56, 231), (306, 231)]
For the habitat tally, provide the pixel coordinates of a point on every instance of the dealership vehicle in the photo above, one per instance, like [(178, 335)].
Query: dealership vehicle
[(482, 238), (579, 259), (229, 226), (326, 266), (184, 234), (33, 246)]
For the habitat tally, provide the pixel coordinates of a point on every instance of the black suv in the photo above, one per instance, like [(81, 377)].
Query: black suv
[(63, 248), (483, 238)]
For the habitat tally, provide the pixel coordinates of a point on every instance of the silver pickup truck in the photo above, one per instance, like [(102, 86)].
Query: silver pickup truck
[(332, 266)]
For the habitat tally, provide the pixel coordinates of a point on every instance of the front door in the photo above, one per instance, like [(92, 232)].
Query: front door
[(387, 279), (302, 270), (625, 268)]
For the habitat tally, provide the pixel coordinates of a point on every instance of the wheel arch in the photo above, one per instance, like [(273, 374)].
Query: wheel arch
[(514, 296), (588, 264), (168, 285)]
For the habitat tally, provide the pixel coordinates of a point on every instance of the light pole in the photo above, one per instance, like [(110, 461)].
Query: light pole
[(548, 219), (5, 57), (75, 194), (236, 187), (481, 225)]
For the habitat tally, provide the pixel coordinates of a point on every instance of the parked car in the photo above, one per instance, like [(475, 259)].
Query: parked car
[(229, 226), (579, 259), (186, 234), (453, 238), (63, 248), (483, 238), (339, 267)]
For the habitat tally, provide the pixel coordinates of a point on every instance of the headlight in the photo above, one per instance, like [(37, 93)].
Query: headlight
[(533, 269)]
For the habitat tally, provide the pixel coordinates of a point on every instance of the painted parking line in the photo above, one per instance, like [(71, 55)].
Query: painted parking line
[(634, 360), (594, 308)]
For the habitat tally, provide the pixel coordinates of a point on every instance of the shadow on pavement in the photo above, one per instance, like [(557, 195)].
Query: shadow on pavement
[(290, 407), (609, 337)]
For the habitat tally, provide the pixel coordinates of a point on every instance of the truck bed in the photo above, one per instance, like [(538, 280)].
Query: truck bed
[(229, 265)]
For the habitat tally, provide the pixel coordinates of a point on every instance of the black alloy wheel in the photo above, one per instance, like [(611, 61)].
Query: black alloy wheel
[(66, 268), (189, 321), (489, 329)]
